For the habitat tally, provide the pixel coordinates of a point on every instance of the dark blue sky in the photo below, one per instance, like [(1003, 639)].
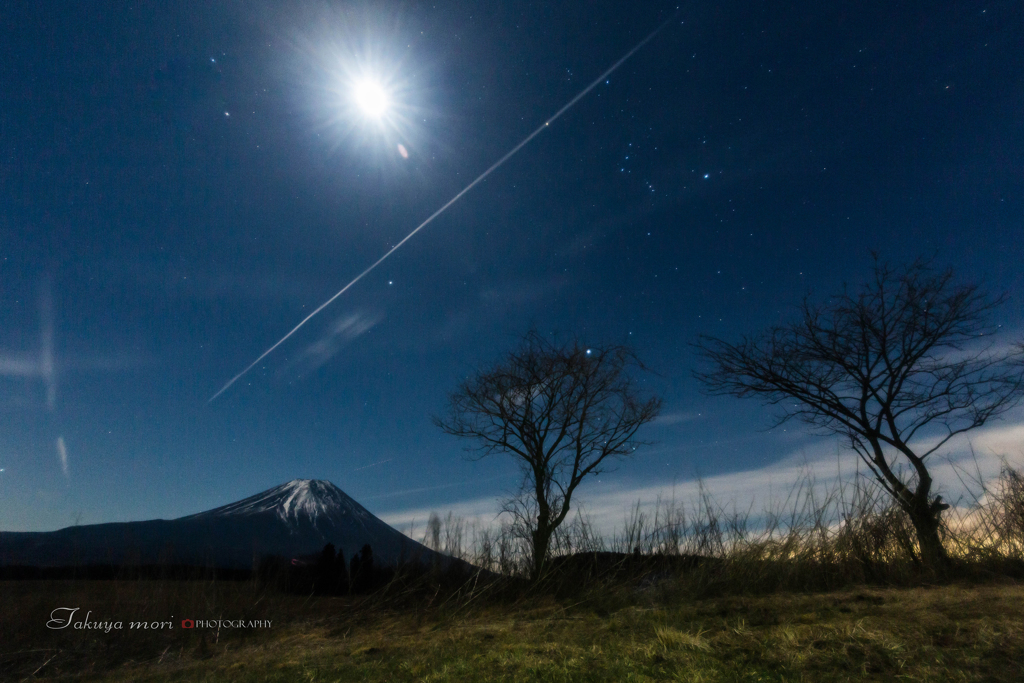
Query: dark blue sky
[(188, 182)]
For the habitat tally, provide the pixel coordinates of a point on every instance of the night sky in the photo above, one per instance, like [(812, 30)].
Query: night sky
[(182, 183)]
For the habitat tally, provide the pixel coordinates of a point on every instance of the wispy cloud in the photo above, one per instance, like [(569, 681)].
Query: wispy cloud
[(424, 489), (678, 417), (15, 366), (481, 511), (62, 455), (44, 364), (965, 463), (340, 333), (47, 364)]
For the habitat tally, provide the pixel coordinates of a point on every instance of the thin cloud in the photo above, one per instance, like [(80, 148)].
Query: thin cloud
[(959, 472), (13, 366), (424, 489), (482, 512), (343, 331), (44, 363), (679, 417), (62, 455)]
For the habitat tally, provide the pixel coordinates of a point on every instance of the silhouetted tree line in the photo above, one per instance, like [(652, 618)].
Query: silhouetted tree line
[(327, 573), (125, 572)]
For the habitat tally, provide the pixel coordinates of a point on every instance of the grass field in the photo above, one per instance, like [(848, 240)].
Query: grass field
[(832, 590), (948, 633)]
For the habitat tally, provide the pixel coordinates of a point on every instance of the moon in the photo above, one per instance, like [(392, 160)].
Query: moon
[(372, 99)]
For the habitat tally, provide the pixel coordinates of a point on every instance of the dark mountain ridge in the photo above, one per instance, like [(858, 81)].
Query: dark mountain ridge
[(294, 520)]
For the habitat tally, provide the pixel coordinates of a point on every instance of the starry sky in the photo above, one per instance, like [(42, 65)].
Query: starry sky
[(182, 183)]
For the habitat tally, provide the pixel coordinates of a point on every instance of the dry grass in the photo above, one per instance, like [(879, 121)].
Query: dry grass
[(950, 633), (817, 539), (826, 589)]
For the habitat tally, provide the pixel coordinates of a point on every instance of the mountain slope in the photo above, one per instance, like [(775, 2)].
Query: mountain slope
[(293, 520)]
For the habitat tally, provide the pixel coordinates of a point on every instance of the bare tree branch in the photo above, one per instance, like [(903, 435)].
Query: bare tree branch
[(903, 357), (563, 411)]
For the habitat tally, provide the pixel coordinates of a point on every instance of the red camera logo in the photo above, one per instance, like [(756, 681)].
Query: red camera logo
[(188, 623)]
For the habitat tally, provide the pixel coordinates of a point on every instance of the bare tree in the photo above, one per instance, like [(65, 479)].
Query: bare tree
[(432, 537), (898, 368), (563, 411)]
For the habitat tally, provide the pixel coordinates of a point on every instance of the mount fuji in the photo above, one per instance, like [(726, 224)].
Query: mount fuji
[(292, 520)]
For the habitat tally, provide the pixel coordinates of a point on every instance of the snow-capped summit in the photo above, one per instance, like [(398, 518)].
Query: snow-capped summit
[(291, 520), (299, 499)]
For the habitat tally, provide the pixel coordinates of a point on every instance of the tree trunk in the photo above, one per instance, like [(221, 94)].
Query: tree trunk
[(541, 540), (924, 511), (926, 519)]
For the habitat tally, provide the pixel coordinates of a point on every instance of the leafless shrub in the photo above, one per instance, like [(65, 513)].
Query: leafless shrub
[(817, 538)]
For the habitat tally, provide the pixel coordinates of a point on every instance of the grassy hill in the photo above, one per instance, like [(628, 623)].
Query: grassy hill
[(625, 633), (825, 592)]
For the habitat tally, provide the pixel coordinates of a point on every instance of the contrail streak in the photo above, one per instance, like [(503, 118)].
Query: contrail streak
[(372, 464), (451, 201)]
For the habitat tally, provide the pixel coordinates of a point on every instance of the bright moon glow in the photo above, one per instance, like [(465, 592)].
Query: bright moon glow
[(372, 99)]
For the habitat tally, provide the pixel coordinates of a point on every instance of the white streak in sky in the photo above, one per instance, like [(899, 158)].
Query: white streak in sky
[(454, 199), (372, 464), (407, 492), (62, 453), (47, 365)]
